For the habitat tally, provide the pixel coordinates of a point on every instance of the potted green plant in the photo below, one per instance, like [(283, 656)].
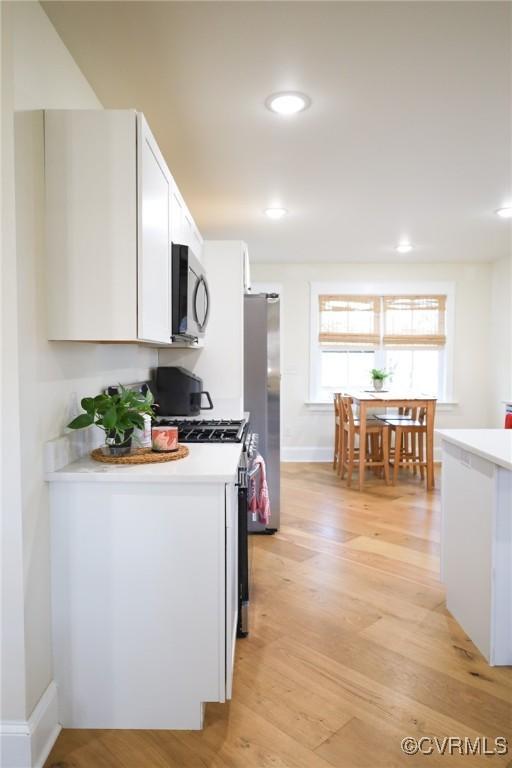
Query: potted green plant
[(117, 415), (378, 378)]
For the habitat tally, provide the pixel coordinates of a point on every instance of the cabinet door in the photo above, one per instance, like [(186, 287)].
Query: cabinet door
[(231, 582), (177, 216), (90, 178), (154, 274), (468, 502), (188, 228), (196, 242)]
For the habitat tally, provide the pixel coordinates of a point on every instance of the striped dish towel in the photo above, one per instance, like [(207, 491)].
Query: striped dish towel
[(259, 502)]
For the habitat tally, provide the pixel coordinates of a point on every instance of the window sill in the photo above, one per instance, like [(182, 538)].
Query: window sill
[(328, 405)]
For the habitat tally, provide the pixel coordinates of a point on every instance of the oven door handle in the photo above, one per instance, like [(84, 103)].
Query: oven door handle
[(253, 472), (245, 475)]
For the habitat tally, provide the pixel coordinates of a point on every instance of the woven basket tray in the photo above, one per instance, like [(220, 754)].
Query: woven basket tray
[(141, 456)]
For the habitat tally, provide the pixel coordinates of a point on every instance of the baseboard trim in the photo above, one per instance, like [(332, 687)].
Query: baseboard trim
[(314, 453), (27, 743), (306, 453)]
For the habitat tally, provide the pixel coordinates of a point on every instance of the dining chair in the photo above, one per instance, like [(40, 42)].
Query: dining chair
[(409, 430), (377, 435)]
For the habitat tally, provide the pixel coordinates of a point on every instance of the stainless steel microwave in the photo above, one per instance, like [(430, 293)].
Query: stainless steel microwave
[(190, 294)]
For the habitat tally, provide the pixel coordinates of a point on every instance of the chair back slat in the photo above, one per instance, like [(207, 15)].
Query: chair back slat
[(347, 411)]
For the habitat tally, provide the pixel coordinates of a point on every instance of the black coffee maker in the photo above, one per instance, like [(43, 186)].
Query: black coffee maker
[(180, 392)]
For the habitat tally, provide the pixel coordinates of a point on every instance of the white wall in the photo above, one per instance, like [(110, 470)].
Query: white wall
[(51, 377), (12, 626), (308, 432), (500, 346)]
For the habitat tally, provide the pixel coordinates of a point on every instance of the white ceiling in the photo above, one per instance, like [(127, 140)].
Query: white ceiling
[(409, 132)]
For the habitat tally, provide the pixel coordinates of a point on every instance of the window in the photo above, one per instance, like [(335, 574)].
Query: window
[(402, 332), (349, 320), (414, 321)]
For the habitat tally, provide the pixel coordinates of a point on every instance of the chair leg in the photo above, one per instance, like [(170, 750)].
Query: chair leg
[(380, 453), (350, 467), (398, 453), (342, 459), (414, 441), (407, 451), (385, 454), (421, 455), (336, 456), (371, 455)]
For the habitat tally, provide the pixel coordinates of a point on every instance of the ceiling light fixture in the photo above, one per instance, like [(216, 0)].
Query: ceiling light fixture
[(403, 247), (288, 102), (276, 213), (505, 213)]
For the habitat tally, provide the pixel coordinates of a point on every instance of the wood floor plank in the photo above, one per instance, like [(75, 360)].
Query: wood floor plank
[(362, 694), (246, 738), (399, 554), (306, 716), (413, 642), (341, 573), (351, 647), (352, 691)]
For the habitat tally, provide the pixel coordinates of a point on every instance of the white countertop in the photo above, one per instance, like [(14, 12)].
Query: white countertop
[(216, 463), (495, 445)]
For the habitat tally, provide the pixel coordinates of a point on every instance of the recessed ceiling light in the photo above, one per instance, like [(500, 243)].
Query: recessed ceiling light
[(276, 213), (403, 247), (288, 102), (505, 213)]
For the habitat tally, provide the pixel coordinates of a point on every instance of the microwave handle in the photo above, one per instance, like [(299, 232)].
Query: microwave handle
[(208, 407)]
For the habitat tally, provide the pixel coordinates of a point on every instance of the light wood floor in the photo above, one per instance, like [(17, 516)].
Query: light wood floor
[(351, 648)]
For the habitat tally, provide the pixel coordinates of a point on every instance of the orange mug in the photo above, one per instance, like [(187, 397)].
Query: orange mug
[(164, 439)]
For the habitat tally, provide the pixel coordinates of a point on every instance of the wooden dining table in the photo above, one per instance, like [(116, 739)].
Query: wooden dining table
[(373, 399)]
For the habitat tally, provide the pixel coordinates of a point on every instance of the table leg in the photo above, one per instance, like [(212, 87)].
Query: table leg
[(431, 407), (362, 443)]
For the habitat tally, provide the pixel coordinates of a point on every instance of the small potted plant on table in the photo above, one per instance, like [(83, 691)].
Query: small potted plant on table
[(117, 415), (378, 378)]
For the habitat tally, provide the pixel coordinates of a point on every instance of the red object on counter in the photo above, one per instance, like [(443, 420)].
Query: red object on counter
[(508, 421), (164, 439)]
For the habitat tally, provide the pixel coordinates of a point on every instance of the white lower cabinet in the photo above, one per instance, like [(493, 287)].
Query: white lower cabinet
[(232, 585), (476, 549), (144, 588)]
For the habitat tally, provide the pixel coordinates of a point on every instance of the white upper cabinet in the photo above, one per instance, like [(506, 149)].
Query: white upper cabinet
[(112, 212), (178, 209), (183, 227), (154, 268), (91, 224)]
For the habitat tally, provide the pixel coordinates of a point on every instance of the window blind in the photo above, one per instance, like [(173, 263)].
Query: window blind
[(349, 320), (414, 321)]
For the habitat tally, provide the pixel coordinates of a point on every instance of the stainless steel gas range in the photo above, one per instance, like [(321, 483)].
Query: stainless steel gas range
[(207, 430)]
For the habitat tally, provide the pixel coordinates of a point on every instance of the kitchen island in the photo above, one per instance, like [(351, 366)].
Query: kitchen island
[(476, 536), (144, 589)]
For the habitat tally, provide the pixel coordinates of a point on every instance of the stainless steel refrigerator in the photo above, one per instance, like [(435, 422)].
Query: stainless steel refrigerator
[(262, 392)]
